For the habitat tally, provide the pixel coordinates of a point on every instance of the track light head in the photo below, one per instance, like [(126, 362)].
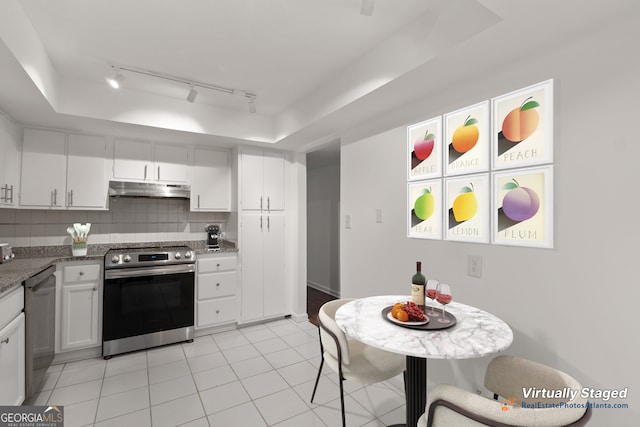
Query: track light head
[(193, 93), (117, 78)]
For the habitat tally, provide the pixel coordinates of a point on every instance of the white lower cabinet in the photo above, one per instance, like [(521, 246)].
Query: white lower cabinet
[(80, 308), (12, 349), (217, 280), (263, 292)]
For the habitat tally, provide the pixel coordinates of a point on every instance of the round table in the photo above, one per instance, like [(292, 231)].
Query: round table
[(475, 334)]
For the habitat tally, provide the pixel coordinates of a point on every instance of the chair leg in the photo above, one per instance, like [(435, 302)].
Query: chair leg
[(344, 422), (317, 379), (320, 367)]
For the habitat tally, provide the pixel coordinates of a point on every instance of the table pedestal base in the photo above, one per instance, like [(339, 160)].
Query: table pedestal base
[(415, 384)]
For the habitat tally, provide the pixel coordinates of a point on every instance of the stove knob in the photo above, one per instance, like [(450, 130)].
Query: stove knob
[(187, 254), (127, 258), (115, 259), (178, 255)]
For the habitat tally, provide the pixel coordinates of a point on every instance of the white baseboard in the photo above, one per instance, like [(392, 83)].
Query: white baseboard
[(323, 288)]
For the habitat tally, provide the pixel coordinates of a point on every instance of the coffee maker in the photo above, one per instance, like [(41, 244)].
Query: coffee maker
[(213, 237)]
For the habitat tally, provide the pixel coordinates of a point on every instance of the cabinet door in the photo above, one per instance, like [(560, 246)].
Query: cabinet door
[(273, 266), (86, 183), (43, 178), (80, 315), (273, 178), (251, 197), (251, 254), (12, 362), (171, 163), (133, 160), (211, 181), (9, 162)]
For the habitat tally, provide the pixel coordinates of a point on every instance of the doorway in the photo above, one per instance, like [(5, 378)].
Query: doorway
[(323, 227)]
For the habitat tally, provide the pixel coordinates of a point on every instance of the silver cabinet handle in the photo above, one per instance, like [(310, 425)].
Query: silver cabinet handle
[(70, 197), (268, 223), (260, 222), (10, 197), (218, 284), (217, 311), (5, 341), (198, 201), (3, 198), (95, 289), (158, 172), (54, 197), (268, 204), (81, 273), (145, 171), (260, 203)]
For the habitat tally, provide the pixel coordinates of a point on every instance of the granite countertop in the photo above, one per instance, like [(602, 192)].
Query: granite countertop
[(31, 260)]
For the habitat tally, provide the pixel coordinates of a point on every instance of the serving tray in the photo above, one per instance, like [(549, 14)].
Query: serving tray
[(432, 325)]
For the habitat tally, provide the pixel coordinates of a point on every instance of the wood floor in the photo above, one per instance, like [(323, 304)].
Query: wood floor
[(315, 299)]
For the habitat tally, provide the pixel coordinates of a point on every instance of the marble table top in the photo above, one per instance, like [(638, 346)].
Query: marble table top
[(475, 334)]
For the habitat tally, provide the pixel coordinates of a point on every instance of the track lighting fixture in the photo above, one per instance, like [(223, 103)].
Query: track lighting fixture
[(117, 78), (367, 7), (193, 93)]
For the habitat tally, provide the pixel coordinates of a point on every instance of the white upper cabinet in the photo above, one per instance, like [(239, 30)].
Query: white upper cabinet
[(86, 164), (171, 163), (132, 160), (211, 180), (44, 169), (145, 161), (57, 174), (9, 161), (262, 177)]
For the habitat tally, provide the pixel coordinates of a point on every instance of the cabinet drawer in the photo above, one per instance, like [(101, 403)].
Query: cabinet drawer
[(11, 305), (81, 273), (214, 285), (210, 265), (212, 312)]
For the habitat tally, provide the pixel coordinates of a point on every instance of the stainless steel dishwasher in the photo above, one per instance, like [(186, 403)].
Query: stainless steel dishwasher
[(40, 319)]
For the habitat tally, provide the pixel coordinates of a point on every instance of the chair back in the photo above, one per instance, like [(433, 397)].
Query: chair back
[(512, 377), (331, 336)]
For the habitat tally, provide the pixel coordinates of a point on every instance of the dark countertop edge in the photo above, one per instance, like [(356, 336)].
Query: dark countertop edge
[(30, 261)]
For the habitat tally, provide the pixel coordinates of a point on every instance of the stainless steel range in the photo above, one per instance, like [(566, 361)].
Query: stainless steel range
[(148, 298)]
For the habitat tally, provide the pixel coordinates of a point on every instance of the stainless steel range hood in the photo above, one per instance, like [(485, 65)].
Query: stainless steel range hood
[(148, 189)]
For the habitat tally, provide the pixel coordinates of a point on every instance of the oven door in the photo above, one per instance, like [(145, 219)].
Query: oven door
[(139, 301)]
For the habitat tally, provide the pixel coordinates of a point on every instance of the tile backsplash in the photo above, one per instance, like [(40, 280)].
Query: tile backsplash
[(127, 220)]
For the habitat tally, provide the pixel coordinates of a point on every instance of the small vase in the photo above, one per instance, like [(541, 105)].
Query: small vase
[(79, 249)]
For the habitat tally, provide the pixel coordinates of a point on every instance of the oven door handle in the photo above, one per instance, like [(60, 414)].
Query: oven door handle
[(123, 273)]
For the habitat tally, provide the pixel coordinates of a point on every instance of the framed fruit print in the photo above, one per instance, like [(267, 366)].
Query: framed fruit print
[(466, 140), (424, 150), (523, 207), (522, 127), (467, 208), (424, 208)]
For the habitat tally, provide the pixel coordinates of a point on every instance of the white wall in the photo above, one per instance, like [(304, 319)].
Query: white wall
[(323, 234), (574, 307)]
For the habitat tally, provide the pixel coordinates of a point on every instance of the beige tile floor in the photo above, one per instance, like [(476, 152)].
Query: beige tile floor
[(260, 375)]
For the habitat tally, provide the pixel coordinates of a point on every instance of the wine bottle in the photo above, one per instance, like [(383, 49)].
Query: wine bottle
[(417, 285)]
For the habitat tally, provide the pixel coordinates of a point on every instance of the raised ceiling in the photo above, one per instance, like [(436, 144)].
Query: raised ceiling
[(316, 66)]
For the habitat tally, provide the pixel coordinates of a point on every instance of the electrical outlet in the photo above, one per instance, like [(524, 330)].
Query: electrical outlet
[(474, 268), (347, 221)]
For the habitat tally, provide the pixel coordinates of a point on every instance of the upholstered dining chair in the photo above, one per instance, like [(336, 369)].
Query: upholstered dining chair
[(351, 359), (508, 377)]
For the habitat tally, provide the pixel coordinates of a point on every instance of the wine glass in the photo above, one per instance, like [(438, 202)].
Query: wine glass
[(443, 296), (430, 290)]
